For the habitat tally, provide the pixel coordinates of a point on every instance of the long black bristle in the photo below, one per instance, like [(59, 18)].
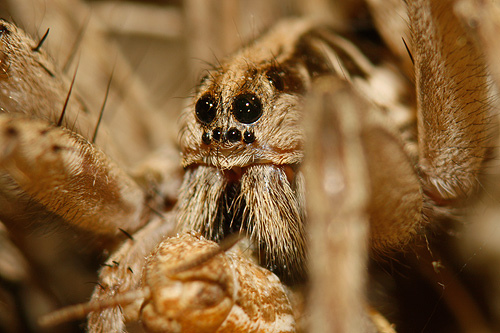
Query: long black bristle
[(408, 50), (126, 234), (40, 43), (101, 112), (61, 117)]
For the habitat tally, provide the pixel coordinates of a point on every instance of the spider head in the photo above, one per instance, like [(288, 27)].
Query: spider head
[(242, 145), (244, 114)]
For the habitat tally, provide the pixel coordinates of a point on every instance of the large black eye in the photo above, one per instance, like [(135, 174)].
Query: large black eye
[(206, 109), (247, 108)]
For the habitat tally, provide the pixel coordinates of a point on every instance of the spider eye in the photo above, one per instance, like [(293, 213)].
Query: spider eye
[(206, 109), (275, 78), (205, 138), (217, 134), (233, 135), (248, 137), (247, 108)]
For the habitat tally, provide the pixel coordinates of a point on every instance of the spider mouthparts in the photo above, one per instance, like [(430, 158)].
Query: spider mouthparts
[(233, 174), (290, 173)]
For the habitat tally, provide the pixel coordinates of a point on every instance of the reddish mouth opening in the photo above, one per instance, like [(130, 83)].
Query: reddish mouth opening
[(234, 174)]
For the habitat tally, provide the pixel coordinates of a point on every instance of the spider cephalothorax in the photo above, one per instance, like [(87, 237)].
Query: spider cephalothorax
[(242, 146), (242, 141)]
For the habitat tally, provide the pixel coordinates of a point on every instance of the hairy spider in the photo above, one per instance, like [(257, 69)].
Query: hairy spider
[(330, 149)]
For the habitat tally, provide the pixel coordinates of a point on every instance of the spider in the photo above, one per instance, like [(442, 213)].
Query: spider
[(303, 142)]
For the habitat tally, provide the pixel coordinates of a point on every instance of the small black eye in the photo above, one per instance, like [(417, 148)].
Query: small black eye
[(233, 134), (217, 134), (206, 109), (248, 137), (247, 108), (206, 138), (276, 79)]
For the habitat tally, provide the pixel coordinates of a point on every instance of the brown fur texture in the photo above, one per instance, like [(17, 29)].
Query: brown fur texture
[(340, 157)]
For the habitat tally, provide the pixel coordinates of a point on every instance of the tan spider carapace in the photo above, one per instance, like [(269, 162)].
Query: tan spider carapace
[(328, 151)]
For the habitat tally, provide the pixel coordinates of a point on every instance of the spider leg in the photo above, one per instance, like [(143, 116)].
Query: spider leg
[(69, 177), (132, 124), (33, 85), (358, 174), (34, 88), (199, 287), (455, 121), (123, 271)]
